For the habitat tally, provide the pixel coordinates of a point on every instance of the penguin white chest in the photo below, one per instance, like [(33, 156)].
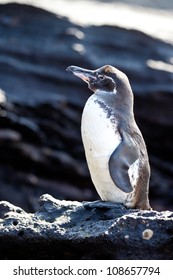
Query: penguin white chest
[(99, 132), (100, 138)]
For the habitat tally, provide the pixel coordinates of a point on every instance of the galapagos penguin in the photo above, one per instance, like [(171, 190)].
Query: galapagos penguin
[(114, 147)]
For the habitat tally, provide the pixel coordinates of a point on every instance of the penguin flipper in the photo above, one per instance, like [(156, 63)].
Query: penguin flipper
[(120, 161)]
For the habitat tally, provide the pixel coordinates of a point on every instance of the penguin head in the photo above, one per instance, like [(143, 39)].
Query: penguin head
[(107, 78)]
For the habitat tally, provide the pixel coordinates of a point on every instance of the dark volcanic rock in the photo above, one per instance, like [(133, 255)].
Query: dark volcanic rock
[(40, 142), (74, 230)]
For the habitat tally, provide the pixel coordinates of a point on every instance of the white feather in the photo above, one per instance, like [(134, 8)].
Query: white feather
[(134, 172), (100, 138)]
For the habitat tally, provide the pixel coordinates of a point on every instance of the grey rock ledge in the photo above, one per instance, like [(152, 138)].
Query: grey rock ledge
[(75, 230)]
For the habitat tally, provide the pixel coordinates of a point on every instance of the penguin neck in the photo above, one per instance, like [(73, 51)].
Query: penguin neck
[(120, 101), (125, 95), (125, 100)]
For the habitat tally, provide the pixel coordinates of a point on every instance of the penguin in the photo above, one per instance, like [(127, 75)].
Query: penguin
[(115, 150)]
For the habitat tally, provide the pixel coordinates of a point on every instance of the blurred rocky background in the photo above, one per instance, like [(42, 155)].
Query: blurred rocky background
[(41, 104)]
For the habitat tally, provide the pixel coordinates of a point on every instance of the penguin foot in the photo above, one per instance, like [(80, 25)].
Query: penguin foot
[(102, 204)]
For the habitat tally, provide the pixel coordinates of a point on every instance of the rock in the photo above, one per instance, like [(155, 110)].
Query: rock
[(6, 207), (75, 230), (9, 135)]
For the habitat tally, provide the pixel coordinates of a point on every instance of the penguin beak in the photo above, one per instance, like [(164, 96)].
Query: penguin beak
[(86, 75)]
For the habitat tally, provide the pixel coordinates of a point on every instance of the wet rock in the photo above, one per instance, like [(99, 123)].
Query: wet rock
[(75, 230)]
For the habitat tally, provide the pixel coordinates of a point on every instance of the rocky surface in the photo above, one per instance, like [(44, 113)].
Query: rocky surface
[(74, 230), (41, 104)]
